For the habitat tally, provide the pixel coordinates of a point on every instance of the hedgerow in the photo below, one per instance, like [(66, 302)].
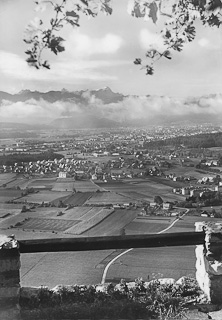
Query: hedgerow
[(151, 300)]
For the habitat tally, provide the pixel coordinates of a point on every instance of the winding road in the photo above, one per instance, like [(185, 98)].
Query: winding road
[(128, 250)]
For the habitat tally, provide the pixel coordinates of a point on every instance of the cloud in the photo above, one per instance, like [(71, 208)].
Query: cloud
[(35, 112), (206, 43), (151, 109), (79, 45), (64, 70), (149, 40)]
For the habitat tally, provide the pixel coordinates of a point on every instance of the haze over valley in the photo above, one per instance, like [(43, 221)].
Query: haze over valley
[(105, 108)]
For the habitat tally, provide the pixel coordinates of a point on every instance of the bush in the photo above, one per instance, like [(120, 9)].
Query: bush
[(152, 301)]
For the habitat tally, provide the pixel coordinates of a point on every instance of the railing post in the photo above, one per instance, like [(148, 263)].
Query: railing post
[(9, 278), (209, 261)]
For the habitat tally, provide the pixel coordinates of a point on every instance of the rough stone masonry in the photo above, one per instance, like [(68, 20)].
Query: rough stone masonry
[(9, 278), (209, 261)]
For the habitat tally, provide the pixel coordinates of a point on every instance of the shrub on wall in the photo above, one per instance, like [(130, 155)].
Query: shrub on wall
[(144, 300)]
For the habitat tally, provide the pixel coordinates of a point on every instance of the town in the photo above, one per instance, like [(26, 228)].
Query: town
[(123, 165)]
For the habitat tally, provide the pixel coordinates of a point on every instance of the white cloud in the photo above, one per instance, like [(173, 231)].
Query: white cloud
[(79, 45), (204, 42), (149, 40), (62, 70), (150, 108), (33, 111)]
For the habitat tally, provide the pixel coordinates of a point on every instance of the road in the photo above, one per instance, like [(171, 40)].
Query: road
[(88, 267), (129, 250)]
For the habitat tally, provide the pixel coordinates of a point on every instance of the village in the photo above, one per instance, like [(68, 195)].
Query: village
[(117, 162)]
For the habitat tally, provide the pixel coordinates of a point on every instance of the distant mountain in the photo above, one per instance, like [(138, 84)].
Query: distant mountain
[(103, 108), (106, 95)]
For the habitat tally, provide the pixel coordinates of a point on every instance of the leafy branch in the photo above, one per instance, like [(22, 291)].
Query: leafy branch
[(180, 28), (179, 25), (65, 12)]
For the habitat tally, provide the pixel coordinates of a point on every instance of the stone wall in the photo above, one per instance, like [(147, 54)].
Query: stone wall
[(208, 274), (209, 261), (9, 278)]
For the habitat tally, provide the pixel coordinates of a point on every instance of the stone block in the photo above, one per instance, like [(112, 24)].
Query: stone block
[(10, 313), (215, 285), (9, 253), (10, 263), (9, 292), (10, 278), (27, 292), (209, 261)]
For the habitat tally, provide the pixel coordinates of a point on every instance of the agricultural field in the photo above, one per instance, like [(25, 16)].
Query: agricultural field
[(90, 219), (42, 183), (46, 224), (18, 183), (86, 186), (187, 223), (44, 196), (5, 178), (107, 198), (154, 263), (63, 185), (7, 195), (114, 223), (134, 196), (75, 199), (188, 171), (148, 225), (148, 189)]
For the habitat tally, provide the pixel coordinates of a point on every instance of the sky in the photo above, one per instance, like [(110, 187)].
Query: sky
[(101, 53)]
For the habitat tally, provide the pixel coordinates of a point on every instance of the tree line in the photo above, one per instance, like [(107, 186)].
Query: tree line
[(204, 140), (19, 158)]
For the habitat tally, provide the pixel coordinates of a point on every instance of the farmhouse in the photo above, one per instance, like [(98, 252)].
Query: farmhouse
[(63, 174)]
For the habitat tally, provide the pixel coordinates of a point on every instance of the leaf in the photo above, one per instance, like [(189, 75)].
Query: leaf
[(73, 23), (136, 12), (167, 54), (167, 34), (55, 45), (149, 70), (213, 20), (137, 61), (31, 60), (60, 48), (106, 8), (72, 14), (213, 5), (190, 32), (89, 12), (73, 18), (28, 52), (152, 53), (84, 2), (153, 11), (46, 64)]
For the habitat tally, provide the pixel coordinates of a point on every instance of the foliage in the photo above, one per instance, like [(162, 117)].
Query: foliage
[(158, 200), (179, 25), (142, 301), (206, 140), (20, 158), (65, 12)]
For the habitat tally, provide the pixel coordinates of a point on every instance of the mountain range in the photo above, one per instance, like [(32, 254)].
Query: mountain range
[(103, 108), (106, 95)]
